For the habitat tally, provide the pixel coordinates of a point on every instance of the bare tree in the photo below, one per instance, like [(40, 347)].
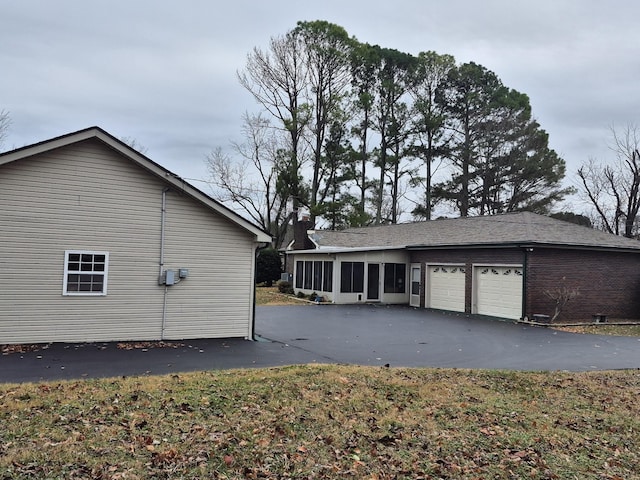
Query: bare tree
[(5, 123), (135, 144), (278, 80), (613, 190), (249, 183), (561, 297)]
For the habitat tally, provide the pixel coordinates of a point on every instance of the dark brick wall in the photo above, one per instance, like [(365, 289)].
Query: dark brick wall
[(608, 282)]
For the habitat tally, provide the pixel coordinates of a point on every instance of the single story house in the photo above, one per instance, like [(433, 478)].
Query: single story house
[(100, 243), (515, 266)]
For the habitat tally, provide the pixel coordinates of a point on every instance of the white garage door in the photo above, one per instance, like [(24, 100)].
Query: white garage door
[(446, 287), (499, 291)]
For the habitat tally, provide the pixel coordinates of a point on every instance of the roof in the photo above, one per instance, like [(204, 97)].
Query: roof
[(143, 161), (524, 228)]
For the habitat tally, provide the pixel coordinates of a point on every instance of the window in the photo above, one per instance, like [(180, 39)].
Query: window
[(316, 275), (352, 277), (394, 277), (85, 273), (308, 275), (299, 274), (327, 279)]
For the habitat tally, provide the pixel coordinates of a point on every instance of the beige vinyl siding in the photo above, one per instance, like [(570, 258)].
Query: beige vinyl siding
[(215, 299), (87, 197)]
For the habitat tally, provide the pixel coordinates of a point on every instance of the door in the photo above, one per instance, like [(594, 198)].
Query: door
[(446, 287), (499, 291), (414, 295), (373, 281)]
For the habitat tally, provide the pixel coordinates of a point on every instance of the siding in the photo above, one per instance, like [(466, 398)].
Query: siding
[(379, 257), (86, 197)]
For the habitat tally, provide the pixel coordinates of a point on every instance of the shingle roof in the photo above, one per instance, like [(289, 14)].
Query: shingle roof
[(511, 228)]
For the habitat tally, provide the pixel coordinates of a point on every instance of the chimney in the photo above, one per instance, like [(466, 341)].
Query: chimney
[(301, 240)]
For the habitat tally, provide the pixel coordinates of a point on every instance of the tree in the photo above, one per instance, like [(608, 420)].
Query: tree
[(500, 157), (394, 76), (364, 67), (573, 218), (5, 123), (135, 144), (278, 79), (327, 49), (249, 182), (268, 266), (428, 121), (613, 190)]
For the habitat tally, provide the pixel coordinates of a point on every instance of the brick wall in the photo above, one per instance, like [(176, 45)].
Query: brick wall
[(608, 283)]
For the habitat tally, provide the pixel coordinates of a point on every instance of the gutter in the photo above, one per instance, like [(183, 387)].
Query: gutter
[(161, 264), (259, 248)]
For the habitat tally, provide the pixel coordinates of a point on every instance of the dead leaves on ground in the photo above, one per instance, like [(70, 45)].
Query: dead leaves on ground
[(326, 423)]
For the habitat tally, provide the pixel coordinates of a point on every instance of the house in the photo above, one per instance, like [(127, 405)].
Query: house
[(100, 243), (515, 266)]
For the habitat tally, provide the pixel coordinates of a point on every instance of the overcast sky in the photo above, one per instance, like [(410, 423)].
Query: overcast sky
[(164, 72)]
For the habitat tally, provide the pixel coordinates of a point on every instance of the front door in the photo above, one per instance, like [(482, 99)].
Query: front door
[(373, 282), (414, 299)]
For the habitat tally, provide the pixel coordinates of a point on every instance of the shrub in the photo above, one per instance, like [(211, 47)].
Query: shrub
[(268, 266), (285, 287)]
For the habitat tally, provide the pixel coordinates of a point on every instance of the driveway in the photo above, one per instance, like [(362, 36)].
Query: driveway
[(346, 334), (404, 336)]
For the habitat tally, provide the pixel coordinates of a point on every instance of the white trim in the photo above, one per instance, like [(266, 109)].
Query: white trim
[(67, 272), (413, 298), (476, 282), (428, 284)]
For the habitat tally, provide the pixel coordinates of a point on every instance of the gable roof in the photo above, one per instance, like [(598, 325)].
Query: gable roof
[(511, 229), (141, 160)]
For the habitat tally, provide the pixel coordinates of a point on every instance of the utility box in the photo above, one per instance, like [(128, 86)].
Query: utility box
[(168, 277), (285, 277), (183, 273)]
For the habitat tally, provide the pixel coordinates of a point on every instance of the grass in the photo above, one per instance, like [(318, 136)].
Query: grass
[(271, 296), (325, 422), (605, 329)]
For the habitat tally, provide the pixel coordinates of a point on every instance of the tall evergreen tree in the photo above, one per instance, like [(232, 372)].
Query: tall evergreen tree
[(429, 140), (500, 158)]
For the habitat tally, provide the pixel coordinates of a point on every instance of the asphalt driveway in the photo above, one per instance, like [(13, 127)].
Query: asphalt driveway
[(345, 334)]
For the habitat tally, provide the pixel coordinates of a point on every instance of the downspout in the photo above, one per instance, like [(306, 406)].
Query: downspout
[(252, 337), (162, 228), (525, 282)]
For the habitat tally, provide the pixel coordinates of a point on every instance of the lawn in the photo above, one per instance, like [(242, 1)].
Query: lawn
[(271, 296), (325, 422)]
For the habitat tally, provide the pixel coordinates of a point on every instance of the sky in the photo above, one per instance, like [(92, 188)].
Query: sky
[(165, 72)]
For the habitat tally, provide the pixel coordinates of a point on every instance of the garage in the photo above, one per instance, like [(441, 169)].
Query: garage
[(446, 287), (499, 291)]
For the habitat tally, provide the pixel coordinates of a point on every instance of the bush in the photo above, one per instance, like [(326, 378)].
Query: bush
[(268, 266), (285, 287)]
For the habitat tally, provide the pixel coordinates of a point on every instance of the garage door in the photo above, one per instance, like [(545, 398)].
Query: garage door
[(446, 287), (499, 291)]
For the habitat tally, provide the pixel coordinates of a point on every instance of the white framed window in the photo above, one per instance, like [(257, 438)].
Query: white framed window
[(85, 272)]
